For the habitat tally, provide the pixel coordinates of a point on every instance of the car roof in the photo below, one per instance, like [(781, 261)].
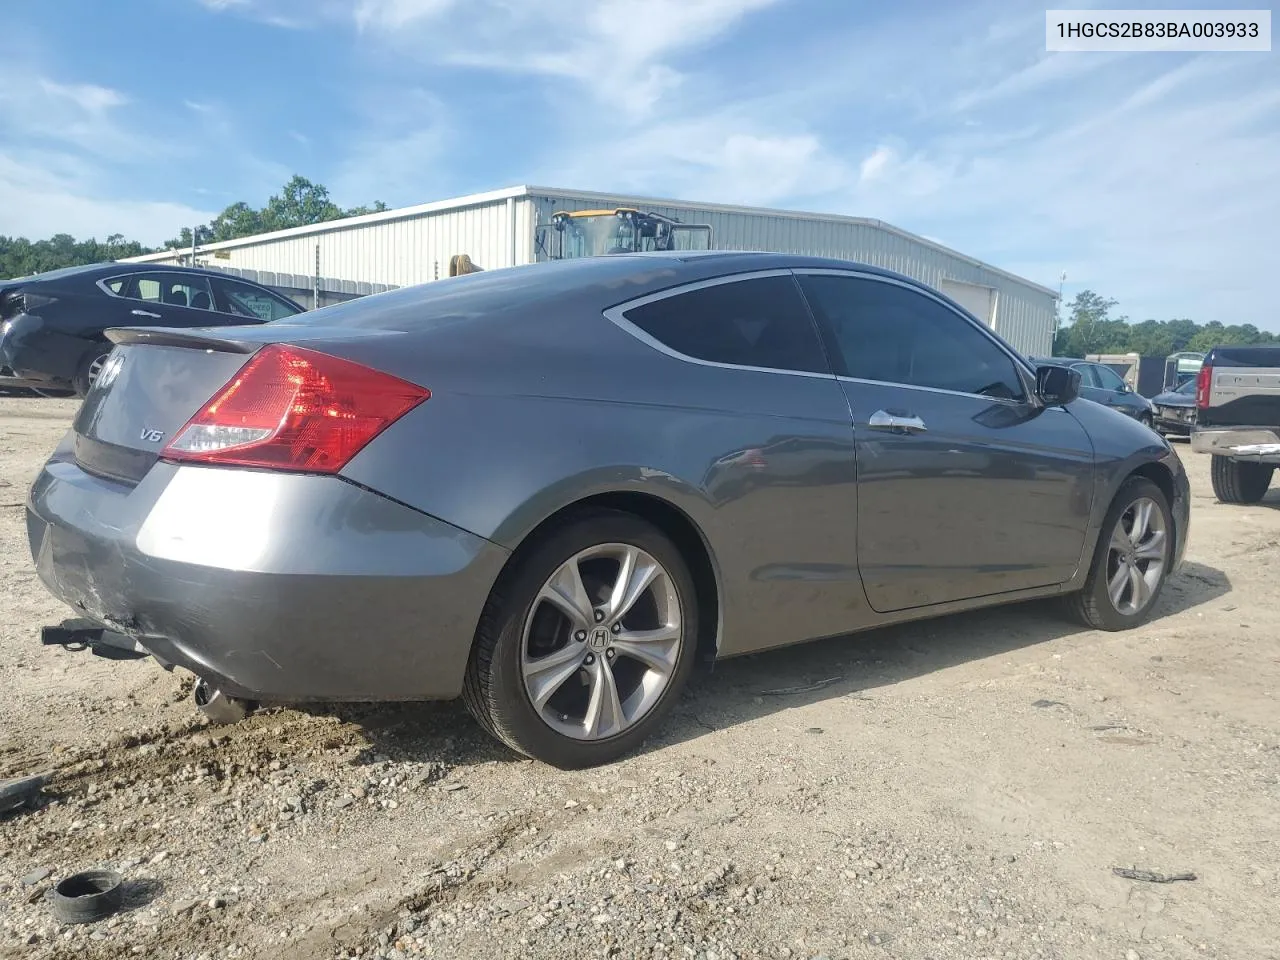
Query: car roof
[(92, 272), (116, 268)]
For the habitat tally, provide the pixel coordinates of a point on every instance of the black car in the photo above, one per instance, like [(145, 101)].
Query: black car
[(1175, 410), (1101, 384), (51, 325)]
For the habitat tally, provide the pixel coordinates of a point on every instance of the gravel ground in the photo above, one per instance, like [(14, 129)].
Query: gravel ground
[(961, 788)]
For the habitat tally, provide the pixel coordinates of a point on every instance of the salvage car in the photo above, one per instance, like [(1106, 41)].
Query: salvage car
[(552, 489), (52, 325), (1175, 410), (1101, 384)]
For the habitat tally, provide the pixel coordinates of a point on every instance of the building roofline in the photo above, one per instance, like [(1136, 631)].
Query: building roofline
[(561, 193), (329, 226)]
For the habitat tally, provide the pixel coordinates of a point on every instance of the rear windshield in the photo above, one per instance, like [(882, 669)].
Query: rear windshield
[(52, 274), (453, 300), (1245, 356)]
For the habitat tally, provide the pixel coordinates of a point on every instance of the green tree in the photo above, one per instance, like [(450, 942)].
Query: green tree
[(1092, 329), (20, 257), (299, 203)]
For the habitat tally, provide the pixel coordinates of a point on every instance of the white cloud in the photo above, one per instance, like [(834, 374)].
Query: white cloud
[(38, 203), (88, 97), (874, 165), (615, 49)]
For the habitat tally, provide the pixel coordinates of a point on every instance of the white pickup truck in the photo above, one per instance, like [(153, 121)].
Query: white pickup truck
[(1238, 420)]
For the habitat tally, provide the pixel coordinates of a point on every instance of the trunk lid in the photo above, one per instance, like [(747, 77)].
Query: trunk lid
[(143, 396)]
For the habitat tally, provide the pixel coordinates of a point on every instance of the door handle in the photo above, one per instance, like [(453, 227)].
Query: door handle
[(145, 313), (888, 421)]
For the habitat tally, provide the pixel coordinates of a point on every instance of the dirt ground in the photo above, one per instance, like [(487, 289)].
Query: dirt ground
[(961, 788)]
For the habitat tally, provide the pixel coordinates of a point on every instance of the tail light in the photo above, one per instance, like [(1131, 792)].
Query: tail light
[(1204, 384), (294, 409)]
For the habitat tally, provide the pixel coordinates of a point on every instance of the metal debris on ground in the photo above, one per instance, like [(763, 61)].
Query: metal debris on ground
[(806, 688), (21, 792), (1041, 704), (1150, 876)]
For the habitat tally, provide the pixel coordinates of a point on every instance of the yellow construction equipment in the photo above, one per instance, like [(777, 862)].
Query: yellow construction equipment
[(593, 233)]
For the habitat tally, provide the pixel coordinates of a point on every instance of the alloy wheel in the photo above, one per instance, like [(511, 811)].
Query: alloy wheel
[(95, 368), (1136, 556), (601, 641)]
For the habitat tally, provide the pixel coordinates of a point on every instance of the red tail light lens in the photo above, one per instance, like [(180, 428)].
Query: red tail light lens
[(294, 409), (1204, 383)]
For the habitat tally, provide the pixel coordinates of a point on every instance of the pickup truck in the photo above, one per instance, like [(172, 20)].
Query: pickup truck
[(1238, 420)]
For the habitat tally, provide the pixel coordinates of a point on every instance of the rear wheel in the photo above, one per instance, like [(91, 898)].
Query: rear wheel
[(1238, 482), (585, 644), (1130, 562), (90, 367)]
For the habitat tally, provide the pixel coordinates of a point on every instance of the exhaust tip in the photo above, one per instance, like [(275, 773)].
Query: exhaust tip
[(217, 706)]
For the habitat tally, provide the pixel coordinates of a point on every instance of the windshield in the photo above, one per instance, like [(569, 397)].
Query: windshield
[(596, 236), (1188, 388)]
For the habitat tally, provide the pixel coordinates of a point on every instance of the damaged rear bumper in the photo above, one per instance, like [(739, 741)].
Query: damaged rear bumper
[(274, 587)]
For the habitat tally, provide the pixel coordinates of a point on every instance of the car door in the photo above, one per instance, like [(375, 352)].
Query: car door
[(162, 298), (1090, 388), (1116, 391), (966, 486)]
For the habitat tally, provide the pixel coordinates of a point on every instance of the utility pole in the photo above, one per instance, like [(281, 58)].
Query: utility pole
[(1057, 313), (193, 245)]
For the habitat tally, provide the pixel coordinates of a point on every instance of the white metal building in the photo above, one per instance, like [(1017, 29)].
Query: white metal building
[(501, 228)]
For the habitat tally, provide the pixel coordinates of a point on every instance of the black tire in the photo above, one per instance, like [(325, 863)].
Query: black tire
[(494, 689), (1092, 605), (1238, 482), (84, 376), (1146, 421)]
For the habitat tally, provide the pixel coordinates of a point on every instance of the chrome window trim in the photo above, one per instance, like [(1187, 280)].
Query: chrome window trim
[(102, 285), (615, 316), (1019, 362)]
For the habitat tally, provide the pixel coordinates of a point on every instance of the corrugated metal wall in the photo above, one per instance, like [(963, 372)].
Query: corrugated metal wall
[(1024, 315), (399, 252), (498, 231)]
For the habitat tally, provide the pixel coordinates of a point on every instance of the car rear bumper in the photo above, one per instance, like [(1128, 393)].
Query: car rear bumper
[(1255, 443), (275, 587), (31, 350)]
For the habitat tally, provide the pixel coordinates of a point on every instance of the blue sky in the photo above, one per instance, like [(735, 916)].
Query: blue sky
[(1151, 178)]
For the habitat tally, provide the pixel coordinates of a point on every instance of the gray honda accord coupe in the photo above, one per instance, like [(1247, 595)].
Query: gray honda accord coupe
[(552, 489)]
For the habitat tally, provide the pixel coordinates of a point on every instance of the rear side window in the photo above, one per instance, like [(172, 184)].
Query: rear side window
[(759, 322), (244, 300), (174, 289)]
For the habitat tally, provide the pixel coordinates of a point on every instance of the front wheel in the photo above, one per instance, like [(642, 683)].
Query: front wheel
[(1235, 481), (1130, 562), (585, 643), (1146, 421)]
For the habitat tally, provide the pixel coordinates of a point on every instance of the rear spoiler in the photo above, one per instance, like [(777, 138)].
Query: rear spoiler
[(176, 337)]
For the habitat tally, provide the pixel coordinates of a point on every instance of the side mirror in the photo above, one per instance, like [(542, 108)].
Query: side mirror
[(1123, 388), (1057, 386)]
